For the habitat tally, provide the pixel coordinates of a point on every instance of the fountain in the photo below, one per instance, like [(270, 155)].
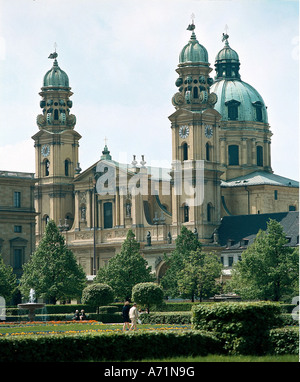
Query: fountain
[(31, 306)]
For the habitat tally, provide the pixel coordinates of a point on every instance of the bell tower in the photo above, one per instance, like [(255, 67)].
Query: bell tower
[(56, 150), (195, 143)]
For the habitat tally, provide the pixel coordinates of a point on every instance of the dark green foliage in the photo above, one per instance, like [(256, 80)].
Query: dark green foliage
[(97, 294), (8, 283), (172, 318), (243, 327), (284, 341), (52, 270), (126, 269), (147, 294), (269, 270), (101, 347)]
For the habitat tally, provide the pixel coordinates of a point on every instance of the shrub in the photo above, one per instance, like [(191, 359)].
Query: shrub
[(243, 327), (103, 346), (284, 341), (148, 294), (97, 294), (179, 318)]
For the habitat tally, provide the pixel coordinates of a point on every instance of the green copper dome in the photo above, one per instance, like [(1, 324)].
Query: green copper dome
[(193, 52), (227, 54), (249, 104), (55, 77)]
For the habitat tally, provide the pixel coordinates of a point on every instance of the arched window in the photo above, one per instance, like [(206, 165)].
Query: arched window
[(207, 151), (259, 156), (185, 151), (66, 167), (56, 114), (195, 92), (209, 212), (233, 155), (46, 166), (108, 217)]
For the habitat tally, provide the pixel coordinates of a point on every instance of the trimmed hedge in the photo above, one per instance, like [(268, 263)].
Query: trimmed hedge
[(242, 327), (107, 347), (179, 318), (284, 341)]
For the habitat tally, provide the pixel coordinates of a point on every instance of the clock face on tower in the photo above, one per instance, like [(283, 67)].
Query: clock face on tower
[(184, 131), (45, 150), (208, 131)]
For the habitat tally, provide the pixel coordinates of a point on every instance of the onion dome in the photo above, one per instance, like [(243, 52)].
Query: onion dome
[(55, 77), (193, 52)]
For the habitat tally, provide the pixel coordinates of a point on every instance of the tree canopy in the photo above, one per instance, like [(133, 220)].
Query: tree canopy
[(8, 283), (269, 269), (126, 269), (52, 270), (199, 274), (185, 243)]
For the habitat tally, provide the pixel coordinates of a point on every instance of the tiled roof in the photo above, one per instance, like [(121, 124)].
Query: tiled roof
[(245, 227), (260, 178)]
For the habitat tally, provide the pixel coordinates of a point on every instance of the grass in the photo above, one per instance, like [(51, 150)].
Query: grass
[(229, 358), (71, 327)]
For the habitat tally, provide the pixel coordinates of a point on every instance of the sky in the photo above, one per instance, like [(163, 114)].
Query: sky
[(121, 56)]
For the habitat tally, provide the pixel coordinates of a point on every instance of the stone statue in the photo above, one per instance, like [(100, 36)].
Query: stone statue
[(149, 239), (196, 233)]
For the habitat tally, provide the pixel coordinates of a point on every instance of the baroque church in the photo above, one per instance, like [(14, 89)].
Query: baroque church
[(220, 184)]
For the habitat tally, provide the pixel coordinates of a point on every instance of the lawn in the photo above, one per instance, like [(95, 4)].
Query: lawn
[(71, 327)]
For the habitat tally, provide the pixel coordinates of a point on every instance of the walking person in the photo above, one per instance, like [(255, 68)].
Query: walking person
[(125, 314), (133, 315)]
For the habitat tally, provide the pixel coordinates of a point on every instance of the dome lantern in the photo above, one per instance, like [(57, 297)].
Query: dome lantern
[(227, 62)]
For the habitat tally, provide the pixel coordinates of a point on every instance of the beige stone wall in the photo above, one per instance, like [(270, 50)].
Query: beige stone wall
[(17, 223), (259, 199)]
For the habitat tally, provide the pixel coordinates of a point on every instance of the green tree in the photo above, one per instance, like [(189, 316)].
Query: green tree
[(185, 243), (97, 294), (8, 283), (199, 274), (126, 269), (268, 270), (148, 294), (52, 270)]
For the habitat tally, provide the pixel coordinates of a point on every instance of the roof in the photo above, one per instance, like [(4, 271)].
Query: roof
[(193, 52), (260, 178), (16, 175), (229, 90), (245, 227), (55, 77)]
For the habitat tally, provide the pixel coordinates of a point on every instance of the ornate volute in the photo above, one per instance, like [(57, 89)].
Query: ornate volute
[(56, 103), (193, 82)]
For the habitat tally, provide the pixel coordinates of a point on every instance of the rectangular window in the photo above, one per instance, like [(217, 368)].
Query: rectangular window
[(18, 258), (18, 228), (275, 194), (230, 261), (233, 155), (17, 199), (259, 156), (233, 112)]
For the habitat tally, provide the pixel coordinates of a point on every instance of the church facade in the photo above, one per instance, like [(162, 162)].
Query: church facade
[(221, 167)]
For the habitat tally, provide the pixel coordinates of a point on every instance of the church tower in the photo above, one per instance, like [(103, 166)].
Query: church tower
[(195, 144), (56, 151)]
